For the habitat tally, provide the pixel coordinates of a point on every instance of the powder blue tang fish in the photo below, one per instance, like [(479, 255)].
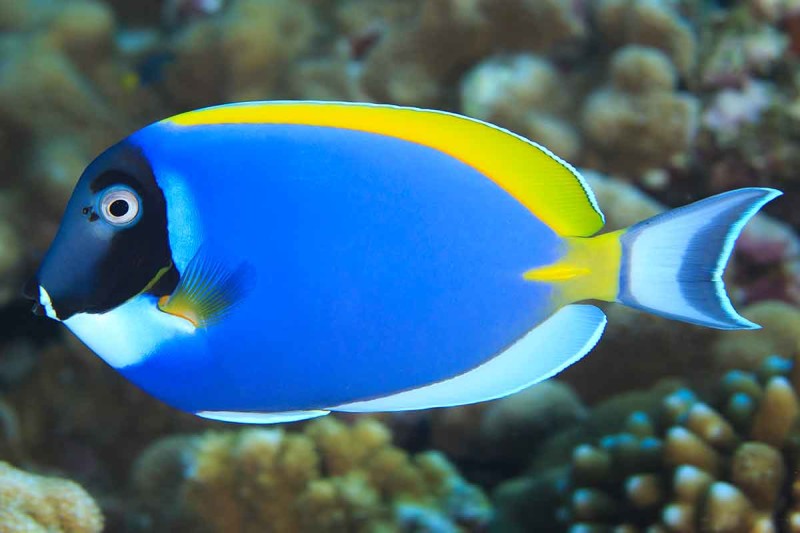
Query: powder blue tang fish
[(274, 261)]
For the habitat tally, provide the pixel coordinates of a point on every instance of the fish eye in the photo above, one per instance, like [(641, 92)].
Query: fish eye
[(119, 206)]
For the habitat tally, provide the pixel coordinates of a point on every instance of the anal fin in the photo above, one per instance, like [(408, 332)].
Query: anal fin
[(550, 347), (255, 417)]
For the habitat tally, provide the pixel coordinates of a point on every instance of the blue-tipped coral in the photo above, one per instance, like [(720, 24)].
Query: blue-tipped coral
[(689, 465), (697, 467)]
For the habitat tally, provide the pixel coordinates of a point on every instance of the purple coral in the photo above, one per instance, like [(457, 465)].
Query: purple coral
[(732, 109)]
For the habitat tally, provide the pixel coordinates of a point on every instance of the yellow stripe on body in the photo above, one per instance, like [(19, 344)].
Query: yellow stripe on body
[(547, 186), (588, 270)]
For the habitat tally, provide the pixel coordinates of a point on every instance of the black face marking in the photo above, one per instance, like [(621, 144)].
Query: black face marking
[(93, 268)]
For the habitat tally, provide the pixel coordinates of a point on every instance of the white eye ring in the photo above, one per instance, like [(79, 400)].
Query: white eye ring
[(119, 206)]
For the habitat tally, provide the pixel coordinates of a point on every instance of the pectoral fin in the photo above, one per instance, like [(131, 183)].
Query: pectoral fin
[(209, 289), (544, 351)]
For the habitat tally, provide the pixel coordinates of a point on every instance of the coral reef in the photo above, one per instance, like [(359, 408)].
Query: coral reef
[(71, 411), (648, 23), (639, 122), (533, 501), (32, 504), (745, 350), (417, 62), (747, 78), (239, 55), (330, 477), (681, 99), (693, 466)]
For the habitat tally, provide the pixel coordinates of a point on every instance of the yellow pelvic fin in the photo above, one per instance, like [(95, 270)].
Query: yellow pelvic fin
[(589, 269)]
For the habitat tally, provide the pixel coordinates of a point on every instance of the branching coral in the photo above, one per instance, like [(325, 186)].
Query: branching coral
[(33, 504), (330, 477)]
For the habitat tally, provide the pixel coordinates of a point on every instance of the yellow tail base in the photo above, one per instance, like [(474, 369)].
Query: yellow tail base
[(589, 269)]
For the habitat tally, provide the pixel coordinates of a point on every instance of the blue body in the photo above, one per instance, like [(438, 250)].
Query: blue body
[(380, 266)]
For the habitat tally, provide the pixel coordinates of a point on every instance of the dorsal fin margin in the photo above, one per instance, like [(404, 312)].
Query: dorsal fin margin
[(549, 187)]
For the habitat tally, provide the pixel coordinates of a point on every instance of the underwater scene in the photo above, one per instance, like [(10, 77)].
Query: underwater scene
[(413, 266)]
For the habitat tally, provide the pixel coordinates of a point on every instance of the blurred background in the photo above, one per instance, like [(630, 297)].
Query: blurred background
[(663, 427)]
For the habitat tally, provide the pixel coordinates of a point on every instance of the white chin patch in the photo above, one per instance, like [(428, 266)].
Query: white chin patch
[(130, 333), (47, 303)]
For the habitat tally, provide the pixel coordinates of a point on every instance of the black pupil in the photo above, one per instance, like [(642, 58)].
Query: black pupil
[(119, 208)]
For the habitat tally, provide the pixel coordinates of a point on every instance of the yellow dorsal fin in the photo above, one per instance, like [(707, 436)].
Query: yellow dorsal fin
[(550, 188)]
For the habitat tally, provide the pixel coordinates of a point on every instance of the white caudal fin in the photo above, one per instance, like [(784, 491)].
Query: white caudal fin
[(672, 264)]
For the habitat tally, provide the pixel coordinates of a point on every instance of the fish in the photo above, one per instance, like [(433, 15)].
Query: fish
[(265, 262)]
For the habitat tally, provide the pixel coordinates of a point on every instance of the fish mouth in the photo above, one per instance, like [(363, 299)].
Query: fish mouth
[(42, 303), (46, 303)]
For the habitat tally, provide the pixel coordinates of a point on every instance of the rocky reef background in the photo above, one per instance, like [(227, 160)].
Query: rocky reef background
[(663, 427)]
